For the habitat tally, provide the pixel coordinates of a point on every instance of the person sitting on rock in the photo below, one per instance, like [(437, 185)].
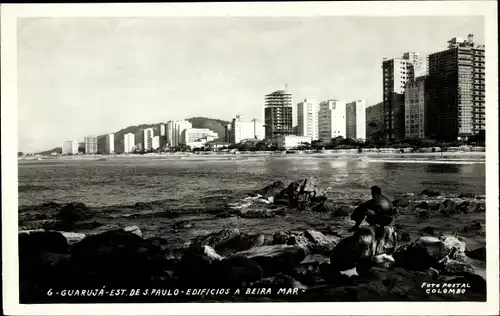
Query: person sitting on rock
[(377, 211)]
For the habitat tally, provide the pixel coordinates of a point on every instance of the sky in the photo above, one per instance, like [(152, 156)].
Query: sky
[(90, 76)]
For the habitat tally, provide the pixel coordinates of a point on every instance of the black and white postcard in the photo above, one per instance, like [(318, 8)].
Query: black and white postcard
[(291, 158)]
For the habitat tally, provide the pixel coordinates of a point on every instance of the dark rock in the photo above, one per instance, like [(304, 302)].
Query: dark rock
[(430, 193), (194, 267), (423, 205), (253, 213), (276, 258), (342, 211), (240, 242), (402, 202), (479, 253), (477, 283), (234, 272), (323, 207), (143, 206), (448, 207), (75, 211), (453, 267), (302, 193), (428, 230), (466, 195), (215, 239), (31, 242), (403, 236), (183, 224), (319, 243), (168, 214), (467, 207), (481, 207), (281, 237), (422, 254), (423, 214), (272, 189)]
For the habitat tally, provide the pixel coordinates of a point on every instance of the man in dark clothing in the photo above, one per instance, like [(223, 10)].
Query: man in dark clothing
[(377, 211)]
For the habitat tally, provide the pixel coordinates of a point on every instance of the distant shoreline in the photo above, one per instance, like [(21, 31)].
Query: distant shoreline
[(458, 156)]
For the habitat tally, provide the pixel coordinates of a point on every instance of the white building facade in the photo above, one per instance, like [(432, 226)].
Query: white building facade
[(307, 118), (197, 137), (332, 119), (110, 144), (156, 142), (174, 131), (246, 128), (70, 147), (147, 136), (128, 143), (356, 120), (90, 144), (292, 141)]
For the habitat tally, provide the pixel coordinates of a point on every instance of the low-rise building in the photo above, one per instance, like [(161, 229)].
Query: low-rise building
[(285, 142), (70, 147)]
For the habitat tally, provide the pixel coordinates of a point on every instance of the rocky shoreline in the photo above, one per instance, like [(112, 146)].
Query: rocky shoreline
[(53, 260)]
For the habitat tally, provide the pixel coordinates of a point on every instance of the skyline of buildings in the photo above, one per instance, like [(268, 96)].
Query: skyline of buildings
[(440, 96)]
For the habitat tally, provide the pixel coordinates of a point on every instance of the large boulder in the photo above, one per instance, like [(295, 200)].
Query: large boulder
[(311, 241), (448, 207), (32, 242), (456, 267), (479, 253), (342, 211), (422, 254), (302, 193), (275, 258), (75, 211), (240, 242), (271, 190), (215, 239)]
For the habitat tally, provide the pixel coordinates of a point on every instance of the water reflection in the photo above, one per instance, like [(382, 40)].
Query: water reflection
[(443, 168)]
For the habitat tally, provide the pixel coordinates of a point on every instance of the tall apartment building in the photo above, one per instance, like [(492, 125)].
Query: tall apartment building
[(396, 73), (456, 90), (278, 114), (307, 118), (147, 136), (70, 147), (128, 143), (90, 144), (246, 128), (174, 131), (356, 119), (416, 108), (110, 144), (163, 135), (332, 119), (374, 119)]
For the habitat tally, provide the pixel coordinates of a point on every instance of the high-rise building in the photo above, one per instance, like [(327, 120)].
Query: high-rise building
[(70, 147), (396, 73), (90, 144), (128, 143), (332, 119), (246, 128), (374, 120), (174, 131), (110, 144), (307, 118), (278, 114), (356, 119), (163, 135), (415, 108), (456, 90), (156, 142), (147, 141)]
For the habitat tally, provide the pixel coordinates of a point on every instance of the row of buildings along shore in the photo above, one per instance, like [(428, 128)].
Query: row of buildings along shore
[(440, 96)]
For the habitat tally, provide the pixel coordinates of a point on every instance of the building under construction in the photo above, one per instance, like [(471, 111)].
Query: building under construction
[(456, 91), (278, 114)]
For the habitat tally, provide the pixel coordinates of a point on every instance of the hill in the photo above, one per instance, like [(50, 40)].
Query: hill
[(215, 125)]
